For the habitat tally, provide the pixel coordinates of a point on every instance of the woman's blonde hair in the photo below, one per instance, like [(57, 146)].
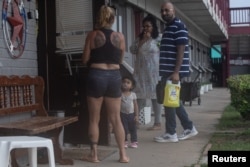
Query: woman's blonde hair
[(106, 17)]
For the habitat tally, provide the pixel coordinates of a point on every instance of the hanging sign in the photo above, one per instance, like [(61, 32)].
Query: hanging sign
[(14, 26)]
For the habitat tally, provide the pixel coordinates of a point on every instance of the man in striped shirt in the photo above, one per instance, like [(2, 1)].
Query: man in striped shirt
[(174, 65)]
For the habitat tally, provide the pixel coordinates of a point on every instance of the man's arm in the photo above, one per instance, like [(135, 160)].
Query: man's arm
[(179, 60)]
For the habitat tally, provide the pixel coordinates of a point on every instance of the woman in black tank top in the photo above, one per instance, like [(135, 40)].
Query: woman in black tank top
[(103, 52)]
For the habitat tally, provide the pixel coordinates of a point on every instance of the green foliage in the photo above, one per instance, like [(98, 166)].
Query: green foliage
[(233, 132), (239, 86), (241, 82), (230, 119)]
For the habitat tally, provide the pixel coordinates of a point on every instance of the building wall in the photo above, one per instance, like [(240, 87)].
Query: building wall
[(239, 70), (27, 63), (199, 40)]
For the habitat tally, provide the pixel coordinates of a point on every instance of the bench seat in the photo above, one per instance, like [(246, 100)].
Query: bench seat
[(22, 112), (35, 125)]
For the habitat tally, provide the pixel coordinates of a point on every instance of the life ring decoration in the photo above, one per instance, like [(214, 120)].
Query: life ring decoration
[(14, 23)]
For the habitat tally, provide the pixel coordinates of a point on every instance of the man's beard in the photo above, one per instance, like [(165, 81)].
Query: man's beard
[(167, 18)]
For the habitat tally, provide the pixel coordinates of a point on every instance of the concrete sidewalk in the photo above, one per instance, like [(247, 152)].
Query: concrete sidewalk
[(181, 154)]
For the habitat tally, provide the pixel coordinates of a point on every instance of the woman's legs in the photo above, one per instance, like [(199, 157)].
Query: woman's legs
[(157, 108), (113, 106), (94, 108), (125, 123)]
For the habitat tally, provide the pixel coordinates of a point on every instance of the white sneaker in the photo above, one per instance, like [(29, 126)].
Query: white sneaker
[(166, 138), (160, 137), (188, 133)]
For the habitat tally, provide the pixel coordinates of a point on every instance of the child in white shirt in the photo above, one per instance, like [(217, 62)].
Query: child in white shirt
[(129, 111)]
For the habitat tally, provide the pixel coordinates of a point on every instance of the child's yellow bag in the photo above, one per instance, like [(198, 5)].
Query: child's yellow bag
[(172, 94)]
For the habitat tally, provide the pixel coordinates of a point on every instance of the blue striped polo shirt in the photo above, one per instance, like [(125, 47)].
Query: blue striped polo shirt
[(174, 34)]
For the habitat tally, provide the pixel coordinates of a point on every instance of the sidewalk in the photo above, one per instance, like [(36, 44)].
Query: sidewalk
[(181, 154)]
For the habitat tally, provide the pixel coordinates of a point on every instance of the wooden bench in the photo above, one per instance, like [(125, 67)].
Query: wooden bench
[(22, 112)]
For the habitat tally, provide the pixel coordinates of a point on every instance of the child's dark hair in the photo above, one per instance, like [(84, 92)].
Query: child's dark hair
[(131, 79)]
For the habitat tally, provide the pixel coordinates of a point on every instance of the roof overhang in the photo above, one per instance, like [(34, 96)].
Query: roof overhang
[(205, 16), (200, 13)]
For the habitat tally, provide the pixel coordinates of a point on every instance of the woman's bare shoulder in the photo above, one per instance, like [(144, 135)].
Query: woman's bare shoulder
[(117, 39), (96, 38), (119, 34), (92, 33)]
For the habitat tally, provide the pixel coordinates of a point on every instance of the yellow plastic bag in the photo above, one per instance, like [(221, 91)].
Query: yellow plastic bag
[(172, 94)]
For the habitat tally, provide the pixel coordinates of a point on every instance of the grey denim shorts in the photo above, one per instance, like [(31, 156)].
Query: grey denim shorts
[(104, 83)]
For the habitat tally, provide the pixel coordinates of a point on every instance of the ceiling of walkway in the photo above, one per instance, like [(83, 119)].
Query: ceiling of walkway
[(197, 11)]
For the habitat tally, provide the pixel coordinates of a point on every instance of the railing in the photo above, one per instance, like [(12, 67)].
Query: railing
[(220, 12), (240, 16)]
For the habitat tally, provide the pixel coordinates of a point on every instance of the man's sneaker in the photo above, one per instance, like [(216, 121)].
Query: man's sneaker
[(126, 144), (166, 138), (134, 145), (160, 137), (188, 133)]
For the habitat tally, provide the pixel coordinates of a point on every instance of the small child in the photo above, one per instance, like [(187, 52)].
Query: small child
[(129, 111)]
